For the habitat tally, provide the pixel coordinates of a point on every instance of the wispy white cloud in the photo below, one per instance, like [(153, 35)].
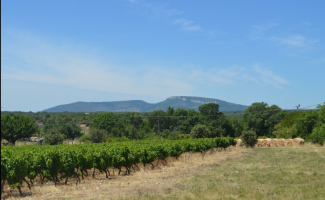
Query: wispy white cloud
[(270, 78), (238, 75), (187, 25), (322, 59), (133, 1), (266, 33), (153, 10), (294, 40), (258, 32), (72, 67), (143, 7)]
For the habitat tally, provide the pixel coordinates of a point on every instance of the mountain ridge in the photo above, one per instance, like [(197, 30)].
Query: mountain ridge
[(186, 102)]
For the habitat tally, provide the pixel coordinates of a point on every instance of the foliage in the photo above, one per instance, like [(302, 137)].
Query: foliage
[(70, 130), (97, 135), (85, 138), (200, 131), (104, 121), (14, 127), (183, 136), (120, 139), (321, 113), (53, 137), (318, 135), (237, 126), (209, 109), (285, 132), (249, 138), (175, 122), (261, 118), (56, 162), (290, 119), (306, 122)]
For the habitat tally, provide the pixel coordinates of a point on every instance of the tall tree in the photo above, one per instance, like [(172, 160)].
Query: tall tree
[(104, 121), (306, 123), (14, 127), (261, 118), (70, 130), (209, 109)]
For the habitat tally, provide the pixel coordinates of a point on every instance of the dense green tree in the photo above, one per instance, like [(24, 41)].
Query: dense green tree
[(186, 125), (237, 125), (289, 119), (97, 135), (115, 132), (200, 131), (306, 123), (104, 121), (321, 113), (70, 130), (175, 120), (210, 109), (14, 127), (131, 131), (53, 137), (169, 135), (164, 120), (170, 111), (261, 118), (286, 132), (318, 134)]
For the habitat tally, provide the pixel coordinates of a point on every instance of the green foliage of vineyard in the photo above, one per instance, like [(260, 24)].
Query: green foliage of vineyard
[(55, 163)]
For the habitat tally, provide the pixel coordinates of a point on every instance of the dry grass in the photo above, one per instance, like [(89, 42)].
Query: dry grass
[(260, 173)]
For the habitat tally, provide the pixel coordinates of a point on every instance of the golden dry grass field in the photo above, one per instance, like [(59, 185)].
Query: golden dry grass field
[(239, 173)]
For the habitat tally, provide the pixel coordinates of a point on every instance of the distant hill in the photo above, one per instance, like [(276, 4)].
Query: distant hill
[(142, 106)]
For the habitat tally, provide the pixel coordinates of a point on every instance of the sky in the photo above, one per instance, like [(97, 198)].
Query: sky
[(64, 51)]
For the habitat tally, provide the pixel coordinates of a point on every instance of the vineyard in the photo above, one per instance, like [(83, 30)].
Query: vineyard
[(57, 163)]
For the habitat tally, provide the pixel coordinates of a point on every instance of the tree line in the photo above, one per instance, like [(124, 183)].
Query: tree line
[(260, 118)]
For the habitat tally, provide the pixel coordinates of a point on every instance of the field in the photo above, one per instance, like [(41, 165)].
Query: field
[(239, 173)]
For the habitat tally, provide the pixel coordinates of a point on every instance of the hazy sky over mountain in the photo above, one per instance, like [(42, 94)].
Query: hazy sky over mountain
[(63, 51)]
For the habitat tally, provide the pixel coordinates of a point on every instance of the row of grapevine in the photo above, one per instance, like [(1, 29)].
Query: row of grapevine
[(59, 162)]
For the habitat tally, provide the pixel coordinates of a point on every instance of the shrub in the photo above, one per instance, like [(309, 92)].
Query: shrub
[(286, 132), (318, 135), (53, 137), (167, 134), (200, 131), (183, 136), (97, 135), (118, 139), (249, 138), (85, 138)]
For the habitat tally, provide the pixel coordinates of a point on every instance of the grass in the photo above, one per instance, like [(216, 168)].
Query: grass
[(264, 173), (259, 173)]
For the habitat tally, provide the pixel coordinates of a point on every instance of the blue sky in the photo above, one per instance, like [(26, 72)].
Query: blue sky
[(63, 51)]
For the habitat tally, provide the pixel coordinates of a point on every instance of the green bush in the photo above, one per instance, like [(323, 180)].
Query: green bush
[(318, 135), (97, 135), (286, 132), (118, 139), (53, 137), (249, 138), (200, 131), (183, 136), (85, 138)]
